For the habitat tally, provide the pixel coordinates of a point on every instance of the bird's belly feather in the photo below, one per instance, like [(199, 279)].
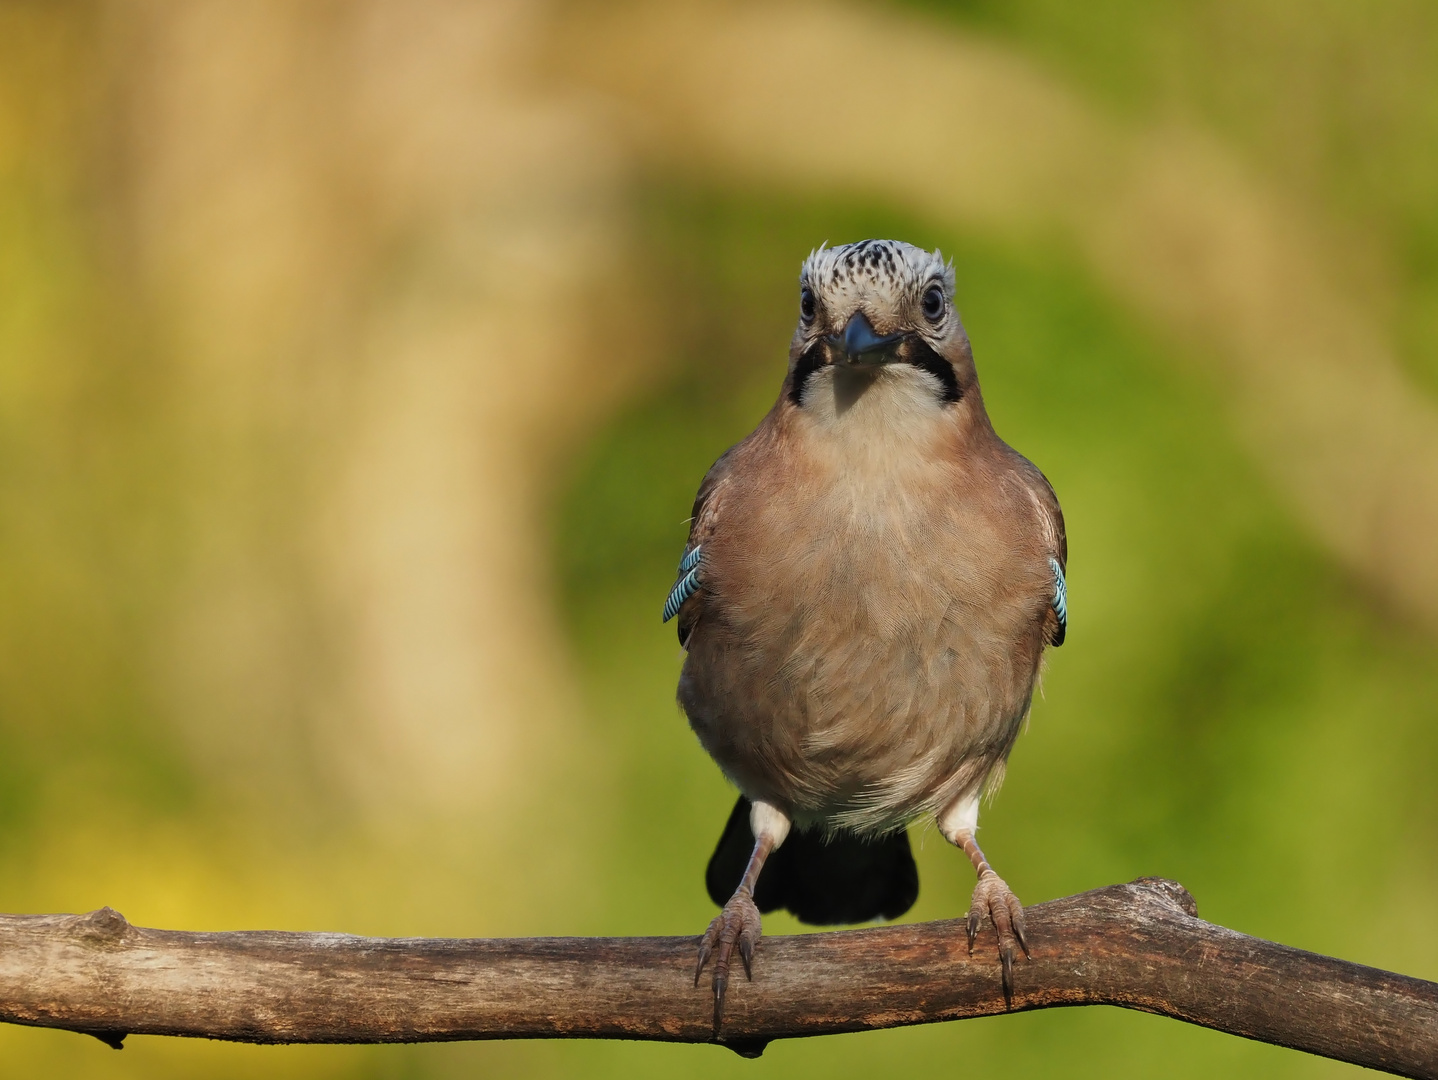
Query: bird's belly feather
[(869, 673)]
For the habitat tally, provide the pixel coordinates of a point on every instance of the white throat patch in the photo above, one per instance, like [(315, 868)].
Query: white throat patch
[(899, 414)]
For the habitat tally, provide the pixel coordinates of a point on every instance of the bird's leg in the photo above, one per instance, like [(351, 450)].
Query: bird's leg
[(738, 924), (992, 896)]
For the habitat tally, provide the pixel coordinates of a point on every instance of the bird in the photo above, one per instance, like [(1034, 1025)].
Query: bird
[(870, 580)]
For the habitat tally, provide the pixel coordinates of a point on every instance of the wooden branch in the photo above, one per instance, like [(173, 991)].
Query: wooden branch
[(1139, 946)]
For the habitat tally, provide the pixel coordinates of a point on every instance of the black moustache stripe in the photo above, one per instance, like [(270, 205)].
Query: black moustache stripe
[(815, 357), (914, 351)]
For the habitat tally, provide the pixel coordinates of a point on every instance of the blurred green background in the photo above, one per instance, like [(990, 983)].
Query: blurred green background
[(358, 364)]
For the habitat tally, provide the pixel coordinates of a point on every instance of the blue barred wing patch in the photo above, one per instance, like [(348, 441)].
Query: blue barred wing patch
[(690, 560), (688, 582), (1060, 602)]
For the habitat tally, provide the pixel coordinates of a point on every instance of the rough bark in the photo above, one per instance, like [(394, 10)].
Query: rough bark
[(1139, 946)]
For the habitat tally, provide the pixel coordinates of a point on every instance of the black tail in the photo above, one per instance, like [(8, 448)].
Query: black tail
[(824, 882)]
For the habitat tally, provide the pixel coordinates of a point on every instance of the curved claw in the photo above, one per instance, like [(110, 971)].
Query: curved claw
[(705, 950), (746, 953), (737, 925), (993, 897)]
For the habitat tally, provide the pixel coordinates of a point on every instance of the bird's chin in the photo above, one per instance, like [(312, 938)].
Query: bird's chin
[(852, 380)]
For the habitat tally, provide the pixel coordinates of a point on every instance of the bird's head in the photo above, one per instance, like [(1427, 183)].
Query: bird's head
[(878, 311)]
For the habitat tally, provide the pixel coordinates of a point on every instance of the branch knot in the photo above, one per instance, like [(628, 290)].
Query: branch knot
[(103, 925), (1169, 893)]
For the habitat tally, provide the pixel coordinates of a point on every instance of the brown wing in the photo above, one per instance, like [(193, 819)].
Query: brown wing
[(1055, 541), (685, 598)]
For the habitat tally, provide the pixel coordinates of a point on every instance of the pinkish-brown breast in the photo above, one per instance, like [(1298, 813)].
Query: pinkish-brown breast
[(872, 614)]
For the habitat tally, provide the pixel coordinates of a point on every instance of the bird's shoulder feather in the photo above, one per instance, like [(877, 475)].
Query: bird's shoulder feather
[(685, 598), (1050, 520)]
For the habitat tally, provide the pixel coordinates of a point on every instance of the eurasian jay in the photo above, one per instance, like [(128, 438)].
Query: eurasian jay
[(870, 580)]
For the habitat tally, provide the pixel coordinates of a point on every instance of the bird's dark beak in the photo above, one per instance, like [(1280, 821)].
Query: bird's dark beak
[(860, 345)]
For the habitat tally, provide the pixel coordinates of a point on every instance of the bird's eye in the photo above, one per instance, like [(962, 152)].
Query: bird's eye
[(933, 303), (806, 304)]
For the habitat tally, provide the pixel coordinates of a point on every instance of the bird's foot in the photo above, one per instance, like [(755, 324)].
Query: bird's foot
[(993, 897), (737, 925)]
